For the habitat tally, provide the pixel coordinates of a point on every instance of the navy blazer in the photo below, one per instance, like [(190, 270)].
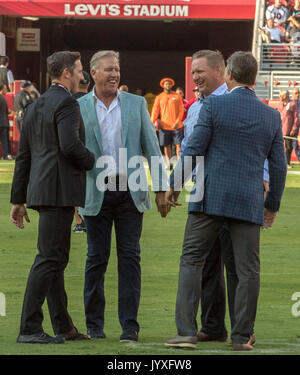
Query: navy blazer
[(236, 133)]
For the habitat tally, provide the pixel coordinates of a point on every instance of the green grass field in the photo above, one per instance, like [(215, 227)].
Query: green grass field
[(276, 329)]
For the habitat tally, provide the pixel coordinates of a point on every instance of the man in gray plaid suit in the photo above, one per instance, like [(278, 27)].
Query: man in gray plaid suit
[(235, 133)]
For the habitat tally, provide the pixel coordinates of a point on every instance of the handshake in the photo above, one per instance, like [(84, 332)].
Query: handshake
[(165, 200)]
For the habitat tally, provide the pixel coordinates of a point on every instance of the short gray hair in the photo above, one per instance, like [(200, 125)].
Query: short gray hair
[(243, 67), (94, 63)]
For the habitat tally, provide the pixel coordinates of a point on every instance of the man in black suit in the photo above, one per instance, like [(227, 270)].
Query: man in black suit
[(50, 174)]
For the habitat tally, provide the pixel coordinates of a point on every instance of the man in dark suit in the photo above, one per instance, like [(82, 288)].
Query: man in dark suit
[(235, 133), (50, 175)]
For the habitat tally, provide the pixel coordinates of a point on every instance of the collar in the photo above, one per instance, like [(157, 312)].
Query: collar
[(236, 87), (218, 91), (96, 97), (60, 85)]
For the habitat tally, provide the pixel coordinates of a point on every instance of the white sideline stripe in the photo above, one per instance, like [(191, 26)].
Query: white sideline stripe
[(296, 173), (70, 276), (160, 347)]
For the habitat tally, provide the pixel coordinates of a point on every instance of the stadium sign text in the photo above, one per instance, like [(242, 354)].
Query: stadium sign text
[(134, 10)]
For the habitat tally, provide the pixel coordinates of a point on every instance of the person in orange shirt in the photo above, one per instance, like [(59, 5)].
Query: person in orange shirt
[(166, 115)]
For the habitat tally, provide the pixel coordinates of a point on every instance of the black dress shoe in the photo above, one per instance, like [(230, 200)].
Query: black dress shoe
[(96, 334), (129, 336), (40, 338), (75, 335)]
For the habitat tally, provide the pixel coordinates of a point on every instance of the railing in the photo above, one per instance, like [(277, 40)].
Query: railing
[(280, 56)]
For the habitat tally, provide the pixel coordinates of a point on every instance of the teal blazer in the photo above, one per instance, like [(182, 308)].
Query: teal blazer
[(138, 137)]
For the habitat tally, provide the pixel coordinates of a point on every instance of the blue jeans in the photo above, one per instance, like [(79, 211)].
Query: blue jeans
[(118, 209)]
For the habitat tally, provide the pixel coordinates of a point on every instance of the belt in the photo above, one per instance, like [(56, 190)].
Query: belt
[(115, 180)]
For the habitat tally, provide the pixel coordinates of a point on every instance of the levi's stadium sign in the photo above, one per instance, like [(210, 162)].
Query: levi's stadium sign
[(132, 10)]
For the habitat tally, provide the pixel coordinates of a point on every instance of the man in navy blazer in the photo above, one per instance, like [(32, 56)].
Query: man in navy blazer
[(235, 133)]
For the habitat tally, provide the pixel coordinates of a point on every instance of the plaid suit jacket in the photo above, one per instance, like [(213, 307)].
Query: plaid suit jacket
[(236, 133)]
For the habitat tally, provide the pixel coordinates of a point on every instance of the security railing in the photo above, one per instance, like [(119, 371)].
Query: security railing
[(280, 56)]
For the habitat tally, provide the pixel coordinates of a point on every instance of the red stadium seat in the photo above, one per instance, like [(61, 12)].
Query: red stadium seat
[(280, 55)]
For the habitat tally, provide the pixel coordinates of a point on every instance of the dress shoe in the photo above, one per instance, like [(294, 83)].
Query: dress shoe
[(74, 335), (202, 336), (242, 347), (40, 338), (129, 336), (184, 342), (252, 340), (96, 334)]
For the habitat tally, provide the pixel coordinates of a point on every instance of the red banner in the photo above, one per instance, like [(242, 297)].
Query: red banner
[(132, 9)]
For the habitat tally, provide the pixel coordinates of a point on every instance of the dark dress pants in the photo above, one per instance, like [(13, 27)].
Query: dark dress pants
[(200, 235), (288, 149), (119, 209), (46, 277), (213, 297), (4, 139)]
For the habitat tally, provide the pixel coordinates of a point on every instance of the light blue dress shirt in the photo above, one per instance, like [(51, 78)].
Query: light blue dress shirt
[(193, 115)]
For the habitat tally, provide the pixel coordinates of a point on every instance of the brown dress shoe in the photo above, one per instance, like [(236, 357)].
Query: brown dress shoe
[(75, 335), (252, 340), (202, 336), (242, 347)]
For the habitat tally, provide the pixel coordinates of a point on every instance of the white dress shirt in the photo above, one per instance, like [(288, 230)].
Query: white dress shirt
[(110, 124)]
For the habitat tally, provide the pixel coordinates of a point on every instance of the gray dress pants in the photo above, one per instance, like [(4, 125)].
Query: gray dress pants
[(200, 235)]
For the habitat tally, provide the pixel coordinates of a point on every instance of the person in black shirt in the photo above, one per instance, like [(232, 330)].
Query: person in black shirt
[(21, 101), (4, 124)]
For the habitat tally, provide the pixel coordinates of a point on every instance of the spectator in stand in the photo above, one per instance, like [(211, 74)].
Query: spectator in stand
[(270, 33), (294, 12), (295, 144), (278, 12), (167, 113), (4, 124), (290, 122), (293, 29)]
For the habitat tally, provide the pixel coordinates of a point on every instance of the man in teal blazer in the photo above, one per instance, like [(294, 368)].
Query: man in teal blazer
[(119, 132)]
